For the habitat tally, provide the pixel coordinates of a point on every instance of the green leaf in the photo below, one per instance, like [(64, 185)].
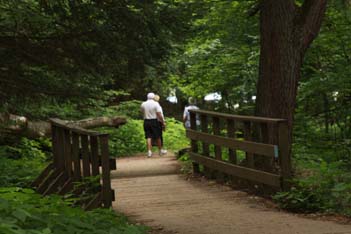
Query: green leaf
[(4, 205), (21, 214)]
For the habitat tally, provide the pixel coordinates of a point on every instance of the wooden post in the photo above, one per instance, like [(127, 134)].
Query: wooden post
[(216, 131), (264, 132), (284, 154), (266, 162), (248, 137), (85, 155), (205, 146), (75, 156), (274, 133), (60, 149), (217, 148), (94, 146), (67, 152), (194, 147), (232, 152), (55, 153), (231, 134), (105, 164)]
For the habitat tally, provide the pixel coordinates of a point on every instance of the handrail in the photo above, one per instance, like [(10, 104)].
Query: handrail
[(239, 117), (247, 146), (264, 141), (73, 128), (77, 153)]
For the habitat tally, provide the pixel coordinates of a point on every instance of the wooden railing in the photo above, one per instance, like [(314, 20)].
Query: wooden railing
[(78, 153), (237, 133)]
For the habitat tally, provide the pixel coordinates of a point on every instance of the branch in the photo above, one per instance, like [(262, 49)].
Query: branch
[(99, 122), (312, 13)]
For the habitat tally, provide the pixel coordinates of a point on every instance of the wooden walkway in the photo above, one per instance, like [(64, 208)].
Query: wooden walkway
[(152, 192)]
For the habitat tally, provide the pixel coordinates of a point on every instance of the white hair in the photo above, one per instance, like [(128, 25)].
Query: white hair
[(191, 101), (150, 96)]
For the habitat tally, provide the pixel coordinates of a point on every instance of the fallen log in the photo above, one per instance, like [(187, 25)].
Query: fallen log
[(20, 125)]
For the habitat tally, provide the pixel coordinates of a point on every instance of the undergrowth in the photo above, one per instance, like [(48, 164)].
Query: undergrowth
[(322, 180), (22, 211), (22, 162)]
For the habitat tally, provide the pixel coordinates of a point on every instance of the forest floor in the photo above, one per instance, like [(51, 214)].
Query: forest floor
[(153, 192)]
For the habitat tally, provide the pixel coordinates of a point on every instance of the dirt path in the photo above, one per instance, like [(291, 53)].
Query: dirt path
[(150, 191)]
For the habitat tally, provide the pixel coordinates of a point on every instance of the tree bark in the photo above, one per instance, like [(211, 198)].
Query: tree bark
[(14, 124), (286, 32)]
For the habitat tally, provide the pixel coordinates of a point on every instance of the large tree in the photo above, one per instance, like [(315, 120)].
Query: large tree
[(287, 29)]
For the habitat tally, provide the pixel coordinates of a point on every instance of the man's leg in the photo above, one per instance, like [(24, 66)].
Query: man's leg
[(149, 144), (148, 131), (159, 144)]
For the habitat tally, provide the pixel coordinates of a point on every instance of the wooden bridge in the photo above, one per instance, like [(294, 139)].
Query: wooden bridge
[(152, 191)]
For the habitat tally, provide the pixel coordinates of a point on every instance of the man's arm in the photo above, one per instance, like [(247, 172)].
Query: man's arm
[(185, 115), (160, 118), (159, 114)]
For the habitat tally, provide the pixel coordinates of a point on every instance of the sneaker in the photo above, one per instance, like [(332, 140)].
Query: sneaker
[(149, 153), (163, 152)]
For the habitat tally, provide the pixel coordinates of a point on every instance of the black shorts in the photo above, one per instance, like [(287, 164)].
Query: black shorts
[(152, 128), (160, 129)]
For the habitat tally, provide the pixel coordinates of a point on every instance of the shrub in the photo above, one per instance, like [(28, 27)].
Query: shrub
[(129, 138), (174, 136), (21, 163), (328, 189), (130, 109)]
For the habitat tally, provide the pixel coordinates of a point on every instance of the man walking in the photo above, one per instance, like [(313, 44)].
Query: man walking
[(186, 114), (152, 112)]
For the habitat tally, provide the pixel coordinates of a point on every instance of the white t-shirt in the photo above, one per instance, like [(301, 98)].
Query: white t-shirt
[(150, 108), (186, 115)]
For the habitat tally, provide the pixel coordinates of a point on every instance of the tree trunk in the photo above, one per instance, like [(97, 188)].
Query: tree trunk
[(14, 124), (286, 32)]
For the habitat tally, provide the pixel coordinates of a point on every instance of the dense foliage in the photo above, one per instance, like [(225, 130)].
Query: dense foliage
[(24, 211), (327, 188), (322, 176), (21, 163), (55, 51), (78, 59)]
